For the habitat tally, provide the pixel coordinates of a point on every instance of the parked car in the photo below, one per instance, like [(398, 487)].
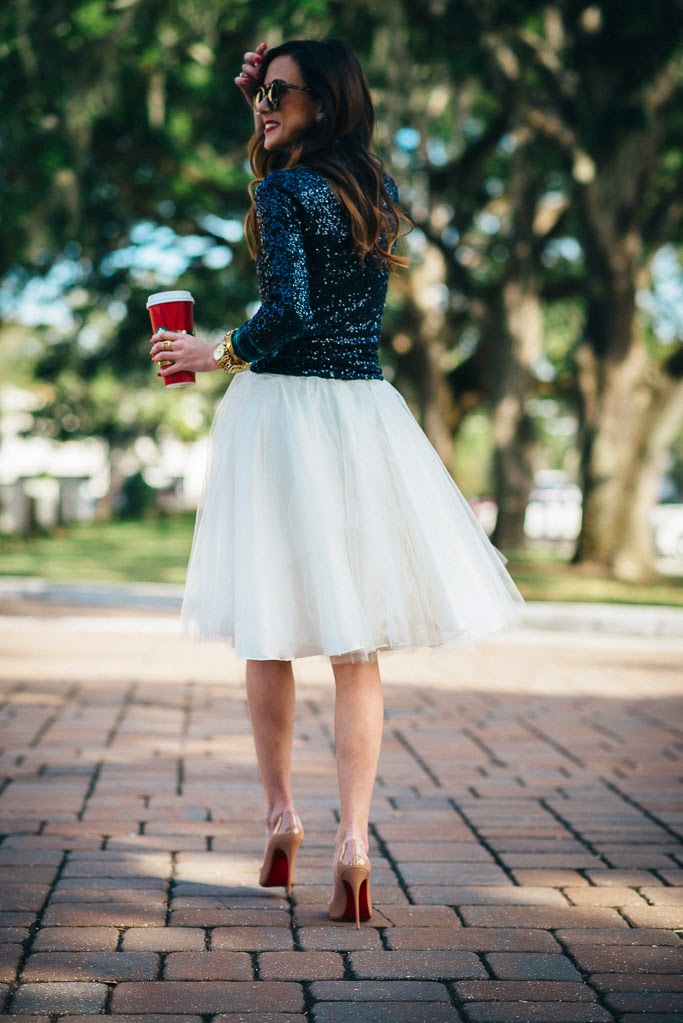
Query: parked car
[(554, 509), (667, 523), (554, 514)]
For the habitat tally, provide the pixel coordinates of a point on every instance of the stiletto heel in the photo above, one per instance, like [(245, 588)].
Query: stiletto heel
[(279, 861), (351, 899)]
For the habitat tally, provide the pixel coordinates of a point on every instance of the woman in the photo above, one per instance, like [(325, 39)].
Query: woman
[(328, 524)]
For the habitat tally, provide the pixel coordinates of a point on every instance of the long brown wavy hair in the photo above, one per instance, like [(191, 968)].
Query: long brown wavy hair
[(337, 144)]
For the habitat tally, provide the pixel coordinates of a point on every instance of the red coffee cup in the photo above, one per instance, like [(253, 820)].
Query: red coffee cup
[(173, 310)]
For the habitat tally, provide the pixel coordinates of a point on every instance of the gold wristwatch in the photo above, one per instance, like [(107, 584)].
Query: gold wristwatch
[(226, 357)]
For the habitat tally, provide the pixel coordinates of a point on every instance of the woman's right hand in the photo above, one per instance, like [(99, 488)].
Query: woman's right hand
[(179, 351), (250, 75)]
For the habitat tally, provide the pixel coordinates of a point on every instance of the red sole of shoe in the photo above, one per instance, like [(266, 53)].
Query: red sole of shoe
[(279, 871), (363, 905)]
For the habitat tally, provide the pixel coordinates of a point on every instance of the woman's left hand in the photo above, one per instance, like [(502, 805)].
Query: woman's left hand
[(183, 351)]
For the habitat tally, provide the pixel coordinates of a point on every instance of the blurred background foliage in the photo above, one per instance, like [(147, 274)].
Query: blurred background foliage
[(537, 147)]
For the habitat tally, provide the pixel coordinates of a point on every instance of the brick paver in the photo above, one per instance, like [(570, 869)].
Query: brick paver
[(52, 966), (309, 966), (537, 1012), (59, 998), (385, 1012), (526, 836)]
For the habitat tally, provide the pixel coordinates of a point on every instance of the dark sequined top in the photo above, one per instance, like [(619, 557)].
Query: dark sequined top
[(321, 308)]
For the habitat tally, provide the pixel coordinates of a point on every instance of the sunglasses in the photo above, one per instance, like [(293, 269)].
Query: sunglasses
[(274, 91)]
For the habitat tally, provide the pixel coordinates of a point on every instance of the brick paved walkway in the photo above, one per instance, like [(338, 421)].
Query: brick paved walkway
[(527, 862)]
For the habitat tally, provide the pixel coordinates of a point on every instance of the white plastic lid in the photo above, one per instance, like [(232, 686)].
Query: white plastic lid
[(169, 296)]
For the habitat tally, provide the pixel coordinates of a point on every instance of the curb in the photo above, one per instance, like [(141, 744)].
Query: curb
[(644, 620), (149, 596)]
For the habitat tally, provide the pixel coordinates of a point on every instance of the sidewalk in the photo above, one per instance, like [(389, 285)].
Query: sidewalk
[(615, 619), (526, 835)]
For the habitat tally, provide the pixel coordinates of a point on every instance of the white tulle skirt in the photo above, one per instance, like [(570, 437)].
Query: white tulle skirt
[(329, 525)]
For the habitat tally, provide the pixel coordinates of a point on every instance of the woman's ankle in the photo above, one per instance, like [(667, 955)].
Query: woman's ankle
[(276, 810), (352, 834)]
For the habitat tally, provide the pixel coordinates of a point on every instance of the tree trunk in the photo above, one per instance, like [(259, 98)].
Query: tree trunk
[(632, 413), (520, 321), (435, 397), (518, 318), (621, 388), (110, 505), (513, 471)]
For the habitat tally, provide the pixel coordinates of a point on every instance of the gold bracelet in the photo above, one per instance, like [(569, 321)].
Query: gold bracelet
[(227, 358)]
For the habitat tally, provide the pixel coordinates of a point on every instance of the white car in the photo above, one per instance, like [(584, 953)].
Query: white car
[(553, 512), (667, 523)]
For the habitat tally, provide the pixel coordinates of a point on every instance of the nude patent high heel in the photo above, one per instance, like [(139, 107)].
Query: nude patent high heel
[(351, 899), (279, 861)]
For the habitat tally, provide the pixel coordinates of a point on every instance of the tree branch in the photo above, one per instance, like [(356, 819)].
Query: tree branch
[(457, 275), (665, 217), (548, 64), (470, 161), (552, 127), (662, 90)]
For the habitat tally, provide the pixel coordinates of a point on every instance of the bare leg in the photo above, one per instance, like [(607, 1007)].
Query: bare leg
[(358, 720), (270, 696)]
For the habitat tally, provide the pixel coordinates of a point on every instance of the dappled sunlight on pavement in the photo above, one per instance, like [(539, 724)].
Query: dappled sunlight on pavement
[(527, 860)]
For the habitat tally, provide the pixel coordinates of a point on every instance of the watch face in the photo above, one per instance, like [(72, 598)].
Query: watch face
[(219, 351)]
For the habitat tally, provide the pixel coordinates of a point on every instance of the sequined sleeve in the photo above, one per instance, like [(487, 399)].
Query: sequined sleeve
[(285, 309)]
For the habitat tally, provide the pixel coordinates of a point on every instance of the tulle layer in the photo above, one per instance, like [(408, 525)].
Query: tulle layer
[(330, 526)]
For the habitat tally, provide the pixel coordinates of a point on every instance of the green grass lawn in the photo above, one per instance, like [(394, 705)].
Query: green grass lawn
[(147, 551), (543, 577), (157, 551)]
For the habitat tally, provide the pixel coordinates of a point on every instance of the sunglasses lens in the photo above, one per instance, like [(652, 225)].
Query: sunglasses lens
[(267, 93), (272, 93), (275, 93)]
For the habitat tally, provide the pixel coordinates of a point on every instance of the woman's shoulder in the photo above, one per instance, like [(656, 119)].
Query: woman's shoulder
[(302, 180), (391, 186), (297, 181)]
